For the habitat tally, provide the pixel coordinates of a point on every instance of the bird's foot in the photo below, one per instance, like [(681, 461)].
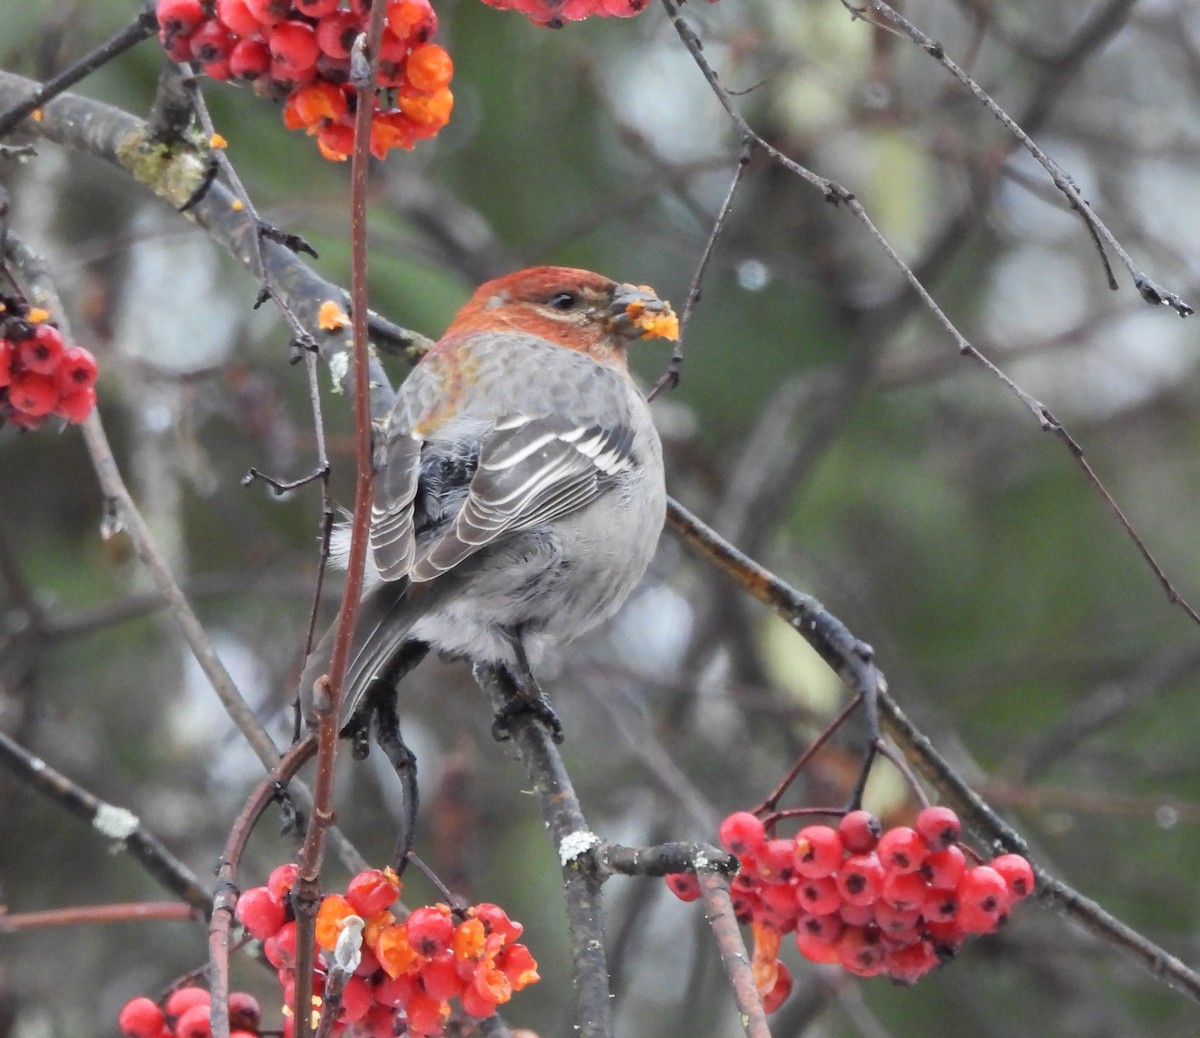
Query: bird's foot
[(526, 702)]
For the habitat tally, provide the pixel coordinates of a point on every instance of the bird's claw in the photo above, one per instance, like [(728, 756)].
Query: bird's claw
[(524, 704)]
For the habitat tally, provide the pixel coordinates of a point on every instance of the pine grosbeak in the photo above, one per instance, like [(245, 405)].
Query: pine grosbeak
[(519, 483)]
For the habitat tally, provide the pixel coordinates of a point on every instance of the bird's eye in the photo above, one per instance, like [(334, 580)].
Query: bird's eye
[(564, 300)]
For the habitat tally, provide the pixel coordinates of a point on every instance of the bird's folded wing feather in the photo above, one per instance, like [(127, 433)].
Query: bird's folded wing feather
[(392, 537), (531, 471)]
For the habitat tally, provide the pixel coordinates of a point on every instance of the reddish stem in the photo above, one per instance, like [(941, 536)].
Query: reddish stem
[(77, 915)]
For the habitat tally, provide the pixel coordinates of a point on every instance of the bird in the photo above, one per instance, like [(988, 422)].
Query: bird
[(519, 488)]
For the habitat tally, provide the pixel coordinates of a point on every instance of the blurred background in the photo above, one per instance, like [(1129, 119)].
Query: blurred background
[(824, 423)]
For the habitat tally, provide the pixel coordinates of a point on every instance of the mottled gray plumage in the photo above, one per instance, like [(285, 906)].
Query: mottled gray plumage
[(519, 497)]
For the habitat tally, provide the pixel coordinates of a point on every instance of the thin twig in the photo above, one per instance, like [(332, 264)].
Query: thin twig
[(224, 900), (670, 378), (114, 823), (1150, 291), (141, 28), (123, 514), (835, 644), (833, 192), (327, 698), (90, 915)]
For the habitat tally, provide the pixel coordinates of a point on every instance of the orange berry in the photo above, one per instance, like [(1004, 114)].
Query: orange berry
[(429, 68), (334, 910), (427, 110)]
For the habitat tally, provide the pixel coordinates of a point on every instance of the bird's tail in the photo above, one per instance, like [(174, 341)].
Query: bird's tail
[(385, 616)]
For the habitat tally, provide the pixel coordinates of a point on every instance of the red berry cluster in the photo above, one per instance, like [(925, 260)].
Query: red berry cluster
[(40, 375), (554, 14), (186, 1014), (409, 969), (299, 51), (895, 903)]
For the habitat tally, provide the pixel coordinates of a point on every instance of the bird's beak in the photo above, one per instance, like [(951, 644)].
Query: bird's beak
[(637, 313)]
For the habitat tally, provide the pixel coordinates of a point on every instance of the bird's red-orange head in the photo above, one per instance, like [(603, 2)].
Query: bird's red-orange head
[(577, 309)]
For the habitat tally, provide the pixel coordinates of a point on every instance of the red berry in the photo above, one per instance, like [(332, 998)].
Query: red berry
[(910, 962), (857, 915), (194, 1023), (983, 898), (183, 999), (430, 930), (901, 849), (943, 869), (939, 906), (816, 949), (294, 48), (946, 937), (773, 999), (906, 890), (259, 913), (818, 896), (76, 369), (745, 905), (244, 1011), (396, 991), (897, 923), (249, 59), (211, 42), (1017, 874), (821, 927), (268, 12), (860, 879), (818, 851), (32, 394), (779, 904), (425, 1015), (237, 17), (742, 833), (861, 950), (336, 33), (356, 1000), (496, 921), (517, 963), (179, 17), (859, 831), (141, 1018), (76, 405), (42, 351), (439, 976), (776, 860), (281, 880), (684, 885), (371, 891), (280, 949), (939, 827)]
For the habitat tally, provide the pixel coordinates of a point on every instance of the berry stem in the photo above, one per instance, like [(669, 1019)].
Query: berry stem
[(806, 756)]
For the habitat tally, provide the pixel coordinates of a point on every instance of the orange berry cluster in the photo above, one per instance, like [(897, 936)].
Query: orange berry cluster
[(298, 51), (186, 1014), (40, 375), (895, 903), (554, 14), (409, 970)]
